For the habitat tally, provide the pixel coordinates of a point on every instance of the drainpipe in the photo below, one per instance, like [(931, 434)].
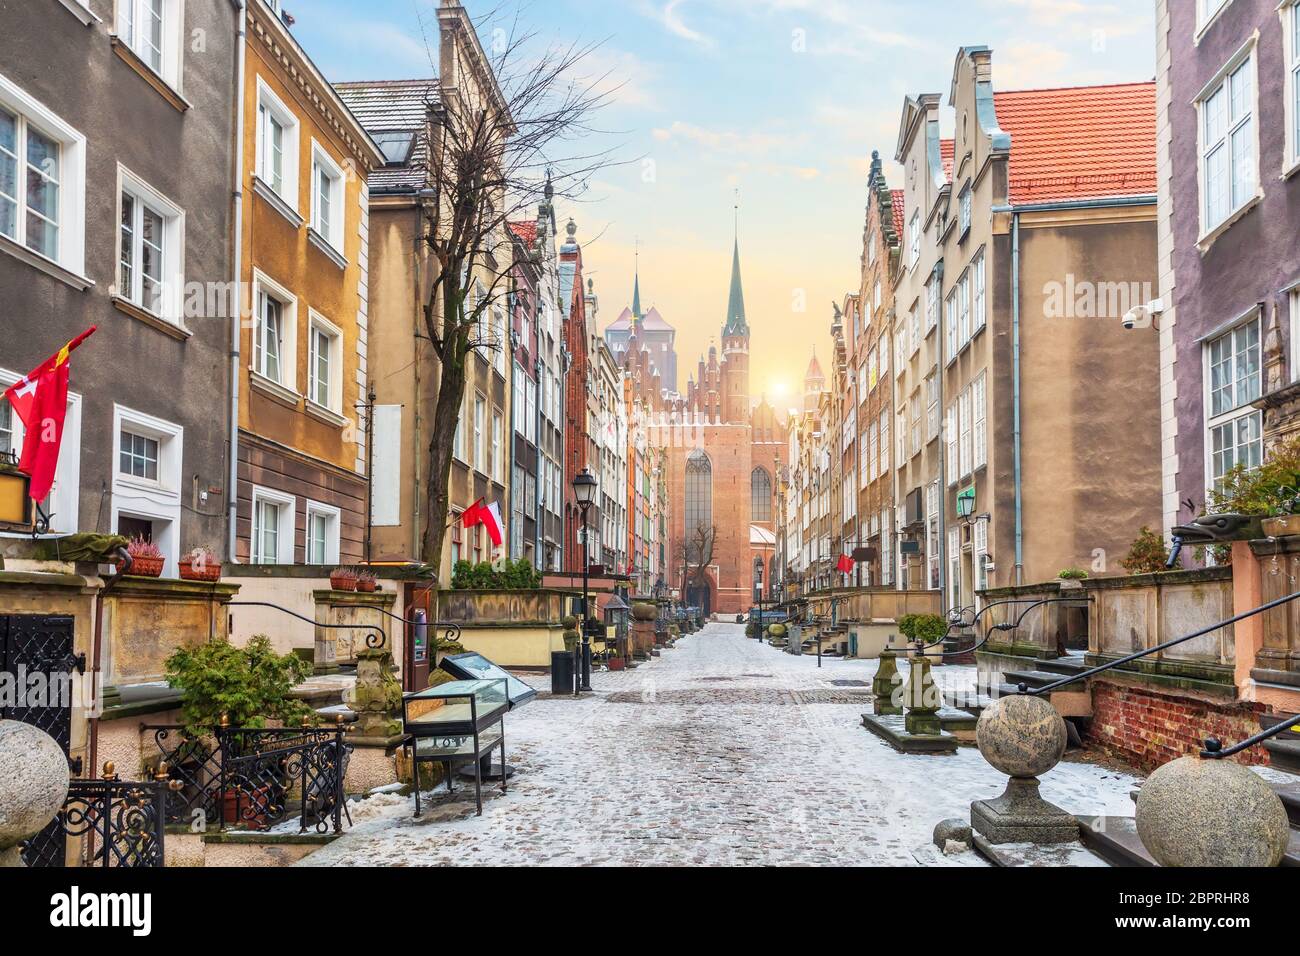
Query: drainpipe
[(1015, 393), (539, 513), (236, 320), (97, 653), (940, 371)]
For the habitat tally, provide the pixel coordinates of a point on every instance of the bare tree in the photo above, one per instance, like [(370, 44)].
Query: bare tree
[(499, 143), (695, 555)]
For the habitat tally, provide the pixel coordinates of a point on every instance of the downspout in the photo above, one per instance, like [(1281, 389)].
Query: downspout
[(539, 513), (97, 653), (417, 534), (940, 370), (236, 320), (1015, 394)]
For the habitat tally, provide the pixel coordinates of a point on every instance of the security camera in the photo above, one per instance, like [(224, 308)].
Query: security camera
[(1142, 316)]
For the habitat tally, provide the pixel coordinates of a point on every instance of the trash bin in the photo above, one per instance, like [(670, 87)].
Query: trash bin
[(561, 672)]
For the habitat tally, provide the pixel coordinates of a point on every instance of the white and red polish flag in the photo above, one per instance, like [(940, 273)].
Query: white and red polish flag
[(41, 400), (487, 515)]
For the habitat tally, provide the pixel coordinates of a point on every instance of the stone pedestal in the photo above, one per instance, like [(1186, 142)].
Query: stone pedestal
[(361, 611), (1020, 815), (921, 700), (377, 696), (885, 682)]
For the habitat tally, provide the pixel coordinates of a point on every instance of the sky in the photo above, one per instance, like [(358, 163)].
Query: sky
[(773, 106)]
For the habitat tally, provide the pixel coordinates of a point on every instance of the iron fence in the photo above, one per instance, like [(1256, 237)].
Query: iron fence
[(239, 776), (120, 822)]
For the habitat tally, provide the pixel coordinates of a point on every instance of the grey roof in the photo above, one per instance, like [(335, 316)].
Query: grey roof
[(390, 106)]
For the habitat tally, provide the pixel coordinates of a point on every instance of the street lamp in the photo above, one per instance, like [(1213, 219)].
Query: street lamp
[(584, 490), (758, 575)]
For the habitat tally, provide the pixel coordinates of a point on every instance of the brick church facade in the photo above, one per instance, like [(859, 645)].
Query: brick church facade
[(723, 453)]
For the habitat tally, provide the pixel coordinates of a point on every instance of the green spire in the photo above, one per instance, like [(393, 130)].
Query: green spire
[(636, 297), (736, 324)]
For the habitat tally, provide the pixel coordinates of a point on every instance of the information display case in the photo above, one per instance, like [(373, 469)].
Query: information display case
[(457, 722)]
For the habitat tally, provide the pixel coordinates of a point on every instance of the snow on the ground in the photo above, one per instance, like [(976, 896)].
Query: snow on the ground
[(722, 751)]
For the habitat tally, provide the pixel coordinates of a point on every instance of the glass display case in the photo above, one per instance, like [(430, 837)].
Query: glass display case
[(472, 666), (458, 722)]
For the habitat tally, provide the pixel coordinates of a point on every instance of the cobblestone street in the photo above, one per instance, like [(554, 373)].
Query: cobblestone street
[(723, 751)]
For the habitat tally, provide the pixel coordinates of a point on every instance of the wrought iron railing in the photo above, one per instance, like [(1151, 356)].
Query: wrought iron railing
[(120, 823), (991, 629), (451, 631), (374, 640), (248, 777)]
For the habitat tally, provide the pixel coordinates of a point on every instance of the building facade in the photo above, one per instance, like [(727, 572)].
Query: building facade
[(123, 143), (1228, 76)]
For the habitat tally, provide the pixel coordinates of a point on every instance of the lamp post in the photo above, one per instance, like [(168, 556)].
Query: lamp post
[(758, 575), (584, 490)]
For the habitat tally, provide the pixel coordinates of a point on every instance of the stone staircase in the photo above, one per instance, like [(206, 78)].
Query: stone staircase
[(1074, 700), (1284, 749)]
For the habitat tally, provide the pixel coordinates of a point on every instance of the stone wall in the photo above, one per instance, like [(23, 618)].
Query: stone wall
[(1148, 728)]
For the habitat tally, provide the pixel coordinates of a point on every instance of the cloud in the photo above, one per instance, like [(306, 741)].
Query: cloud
[(673, 22), (621, 77), (726, 142)]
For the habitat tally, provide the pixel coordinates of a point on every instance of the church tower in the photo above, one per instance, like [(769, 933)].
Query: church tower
[(814, 383), (735, 349)]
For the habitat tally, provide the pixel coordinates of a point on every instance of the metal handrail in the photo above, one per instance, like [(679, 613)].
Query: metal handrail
[(1214, 749), (1084, 675), (374, 640), (1039, 602), (451, 629)]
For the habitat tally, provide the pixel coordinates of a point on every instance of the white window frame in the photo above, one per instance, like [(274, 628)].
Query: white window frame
[(269, 105), (156, 500), (71, 248), (285, 527), (323, 164), (979, 297), (964, 206), (498, 439), (914, 240), (1238, 411), (1245, 57), (172, 270), (480, 433), (979, 415), (334, 387), (333, 532), (1293, 297), (1205, 18), (132, 13), (1290, 13), (265, 285)]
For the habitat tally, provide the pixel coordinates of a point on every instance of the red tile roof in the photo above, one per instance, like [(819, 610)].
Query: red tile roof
[(897, 207), (1085, 142), (525, 231), (947, 150)]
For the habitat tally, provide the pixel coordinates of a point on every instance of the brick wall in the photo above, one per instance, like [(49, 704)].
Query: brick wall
[(1148, 729)]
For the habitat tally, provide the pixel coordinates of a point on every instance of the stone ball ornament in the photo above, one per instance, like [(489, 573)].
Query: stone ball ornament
[(1206, 812), (34, 781), (1021, 735)]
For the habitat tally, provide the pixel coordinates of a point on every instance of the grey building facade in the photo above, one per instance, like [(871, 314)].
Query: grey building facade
[(116, 165)]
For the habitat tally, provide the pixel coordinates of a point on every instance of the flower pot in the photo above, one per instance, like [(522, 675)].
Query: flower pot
[(199, 569), (343, 581), (367, 587), (615, 663), (1282, 526), (142, 567), (243, 808)]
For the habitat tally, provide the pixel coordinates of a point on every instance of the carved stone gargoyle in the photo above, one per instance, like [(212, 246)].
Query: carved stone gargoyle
[(1215, 529)]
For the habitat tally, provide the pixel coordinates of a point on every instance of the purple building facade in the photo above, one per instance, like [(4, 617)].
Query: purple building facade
[(1228, 102)]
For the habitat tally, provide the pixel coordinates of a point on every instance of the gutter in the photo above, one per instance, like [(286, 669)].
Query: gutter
[(236, 320)]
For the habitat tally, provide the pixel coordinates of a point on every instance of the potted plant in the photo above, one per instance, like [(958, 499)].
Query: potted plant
[(1071, 577), (926, 628), (367, 582), (1270, 490), (200, 564), (147, 559), (238, 688), (343, 579), (1147, 554)]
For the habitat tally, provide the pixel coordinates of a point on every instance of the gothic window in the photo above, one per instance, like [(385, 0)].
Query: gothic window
[(699, 498), (760, 495)]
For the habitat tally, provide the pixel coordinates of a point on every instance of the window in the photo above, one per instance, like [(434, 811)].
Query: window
[(950, 440), (965, 210), (1228, 166), (914, 332), (458, 443), (873, 452), (980, 416), (963, 310), (273, 518), (1206, 10), (325, 365), (275, 332), (760, 495), (149, 248), (699, 499), (326, 197), (871, 248), (979, 314), (884, 442), (322, 533), (914, 240), (931, 304), (954, 568), (480, 434), (277, 145), (138, 456), (979, 555), (932, 533), (1291, 17), (931, 406), (876, 298), (152, 29), (456, 539), (498, 471), (1235, 426), (950, 323), (1295, 338), (964, 450), (7, 437)]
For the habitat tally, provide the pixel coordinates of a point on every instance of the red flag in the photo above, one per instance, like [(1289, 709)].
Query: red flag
[(845, 565), (487, 515), (470, 516), (41, 401)]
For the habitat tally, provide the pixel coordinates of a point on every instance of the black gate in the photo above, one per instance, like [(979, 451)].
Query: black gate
[(32, 644)]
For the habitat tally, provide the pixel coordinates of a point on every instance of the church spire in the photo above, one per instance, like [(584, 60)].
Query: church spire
[(636, 286), (736, 324)]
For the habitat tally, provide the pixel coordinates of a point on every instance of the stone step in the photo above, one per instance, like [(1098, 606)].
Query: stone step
[(1283, 754), (1064, 666), (1032, 679), (1115, 840), (972, 704)]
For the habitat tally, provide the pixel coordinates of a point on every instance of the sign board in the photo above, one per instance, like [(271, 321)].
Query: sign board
[(473, 666), (909, 547)]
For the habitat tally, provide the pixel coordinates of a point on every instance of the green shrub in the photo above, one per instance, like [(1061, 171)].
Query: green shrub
[(485, 576), (1271, 489), (1147, 554), (248, 685), (1072, 574), (928, 628)]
